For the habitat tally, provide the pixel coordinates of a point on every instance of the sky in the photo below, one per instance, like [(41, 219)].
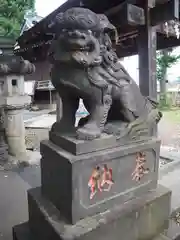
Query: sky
[(44, 8)]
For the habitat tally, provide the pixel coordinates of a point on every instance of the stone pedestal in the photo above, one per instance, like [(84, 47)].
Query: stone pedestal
[(101, 193), (141, 218)]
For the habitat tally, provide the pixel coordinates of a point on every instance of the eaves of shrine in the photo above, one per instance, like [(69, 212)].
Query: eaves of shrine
[(125, 15)]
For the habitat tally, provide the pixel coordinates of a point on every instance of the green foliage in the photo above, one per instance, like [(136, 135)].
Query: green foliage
[(165, 61), (12, 15)]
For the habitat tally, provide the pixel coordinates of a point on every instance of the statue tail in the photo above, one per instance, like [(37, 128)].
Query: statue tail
[(155, 104), (153, 101)]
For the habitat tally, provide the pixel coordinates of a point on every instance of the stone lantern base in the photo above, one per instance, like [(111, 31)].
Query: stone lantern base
[(3, 148)]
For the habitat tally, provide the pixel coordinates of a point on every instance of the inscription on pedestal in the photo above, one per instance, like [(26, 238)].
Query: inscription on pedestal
[(117, 177), (140, 169), (100, 180)]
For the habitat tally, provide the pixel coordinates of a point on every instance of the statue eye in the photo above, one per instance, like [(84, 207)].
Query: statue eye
[(90, 21), (71, 18)]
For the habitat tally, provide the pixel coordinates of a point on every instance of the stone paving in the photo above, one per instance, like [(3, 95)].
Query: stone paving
[(30, 115)]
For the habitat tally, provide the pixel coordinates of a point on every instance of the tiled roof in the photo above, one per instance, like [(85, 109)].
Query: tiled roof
[(30, 19)]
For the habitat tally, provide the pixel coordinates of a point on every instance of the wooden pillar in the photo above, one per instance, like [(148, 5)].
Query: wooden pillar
[(147, 55)]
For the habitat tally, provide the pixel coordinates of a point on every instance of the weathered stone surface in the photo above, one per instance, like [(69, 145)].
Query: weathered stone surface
[(11, 64), (141, 218), (21, 232), (15, 133), (161, 237), (76, 147), (173, 231), (65, 177), (85, 65)]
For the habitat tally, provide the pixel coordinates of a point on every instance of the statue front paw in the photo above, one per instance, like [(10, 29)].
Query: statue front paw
[(62, 127), (88, 132)]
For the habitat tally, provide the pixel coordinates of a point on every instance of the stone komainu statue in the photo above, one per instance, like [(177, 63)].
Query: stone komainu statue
[(85, 65)]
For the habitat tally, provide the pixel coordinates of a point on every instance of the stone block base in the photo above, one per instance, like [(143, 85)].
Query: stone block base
[(139, 219), (67, 178)]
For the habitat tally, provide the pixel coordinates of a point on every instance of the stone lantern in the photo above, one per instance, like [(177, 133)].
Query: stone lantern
[(3, 145), (13, 99)]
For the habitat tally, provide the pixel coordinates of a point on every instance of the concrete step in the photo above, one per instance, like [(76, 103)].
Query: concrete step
[(172, 233), (171, 181)]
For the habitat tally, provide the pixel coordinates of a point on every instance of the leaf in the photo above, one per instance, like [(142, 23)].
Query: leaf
[(12, 15), (165, 59)]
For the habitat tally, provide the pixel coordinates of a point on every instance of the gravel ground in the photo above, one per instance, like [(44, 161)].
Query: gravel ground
[(34, 136)]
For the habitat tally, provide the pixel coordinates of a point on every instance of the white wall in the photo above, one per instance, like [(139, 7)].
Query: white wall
[(131, 64), (29, 87)]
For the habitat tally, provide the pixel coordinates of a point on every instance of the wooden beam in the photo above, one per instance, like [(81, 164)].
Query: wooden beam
[(164, 12), (127, 14), (122, 50), (171, 31), (162, 43), (126, 52), (167, 42), (117, 8)]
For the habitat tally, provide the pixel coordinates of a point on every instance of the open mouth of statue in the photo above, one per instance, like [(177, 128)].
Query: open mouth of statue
[(79, 45), (82, 49)]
